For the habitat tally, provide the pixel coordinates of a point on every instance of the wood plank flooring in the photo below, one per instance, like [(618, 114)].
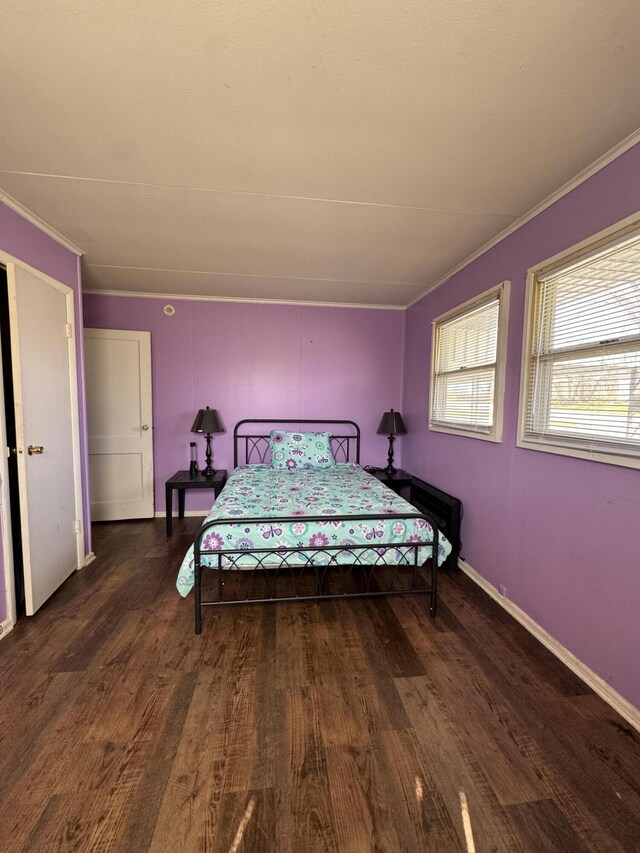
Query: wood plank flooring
[(348, 726)]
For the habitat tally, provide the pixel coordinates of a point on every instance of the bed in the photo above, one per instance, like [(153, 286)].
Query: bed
[(299, 519)]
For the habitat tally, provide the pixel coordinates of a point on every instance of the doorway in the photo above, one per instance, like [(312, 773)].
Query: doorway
[(14, 530), (119, 423)]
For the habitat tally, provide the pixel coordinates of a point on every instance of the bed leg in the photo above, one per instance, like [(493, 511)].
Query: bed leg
[(434, 582), (198, 595)]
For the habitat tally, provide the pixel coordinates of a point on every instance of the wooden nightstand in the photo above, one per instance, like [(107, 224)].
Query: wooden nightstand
[(182, 481), (399, 481)]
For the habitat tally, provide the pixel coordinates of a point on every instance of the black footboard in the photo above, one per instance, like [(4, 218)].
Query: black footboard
[(317, 573)]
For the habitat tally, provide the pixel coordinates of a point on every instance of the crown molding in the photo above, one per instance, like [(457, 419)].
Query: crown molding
[(585, 174), (581, 177), (189, 298), (40, 224)]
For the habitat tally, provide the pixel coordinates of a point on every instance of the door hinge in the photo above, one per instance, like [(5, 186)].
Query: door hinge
[(69, 328), (76, 526)]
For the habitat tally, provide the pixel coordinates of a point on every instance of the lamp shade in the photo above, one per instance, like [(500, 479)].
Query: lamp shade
[(392, 424), (208, 420)]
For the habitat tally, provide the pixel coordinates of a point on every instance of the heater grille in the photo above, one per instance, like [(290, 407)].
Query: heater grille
[(446, 510)]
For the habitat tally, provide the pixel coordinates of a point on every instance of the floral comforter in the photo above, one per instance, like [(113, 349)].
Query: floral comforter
[(259, 491)]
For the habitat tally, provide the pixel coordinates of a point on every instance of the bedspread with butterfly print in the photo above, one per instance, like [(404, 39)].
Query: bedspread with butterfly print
[(260, 491)]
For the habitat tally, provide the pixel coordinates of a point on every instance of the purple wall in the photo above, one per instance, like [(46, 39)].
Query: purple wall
[(26, 242), (562, 534), (260, 361)]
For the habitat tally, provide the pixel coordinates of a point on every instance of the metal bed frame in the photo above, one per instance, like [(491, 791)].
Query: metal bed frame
[(357, 579)]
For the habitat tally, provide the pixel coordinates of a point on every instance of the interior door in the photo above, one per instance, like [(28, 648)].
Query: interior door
[(45, 395), (118, 383)]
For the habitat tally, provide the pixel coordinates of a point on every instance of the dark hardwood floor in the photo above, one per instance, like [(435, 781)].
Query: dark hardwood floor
[(350, 726)]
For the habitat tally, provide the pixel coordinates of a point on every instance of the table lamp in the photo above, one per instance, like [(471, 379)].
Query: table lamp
[(207, 422), (391, 425)]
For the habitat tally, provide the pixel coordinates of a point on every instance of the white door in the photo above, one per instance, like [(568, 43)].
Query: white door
[(47, 443), (118, 388)]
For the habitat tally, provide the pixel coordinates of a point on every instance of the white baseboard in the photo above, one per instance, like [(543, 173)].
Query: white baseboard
[(88, 558), (189, 513), (5, 628), (630, 713)]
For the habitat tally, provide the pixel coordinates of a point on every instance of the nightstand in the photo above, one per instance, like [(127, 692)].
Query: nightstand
[(182, 481), (399, 481)]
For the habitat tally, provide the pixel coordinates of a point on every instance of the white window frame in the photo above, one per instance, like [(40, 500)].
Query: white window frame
[(560, 445), (493, 433)]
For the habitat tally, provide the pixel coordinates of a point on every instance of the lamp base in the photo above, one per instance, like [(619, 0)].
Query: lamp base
[(209, 471), (390, 469)]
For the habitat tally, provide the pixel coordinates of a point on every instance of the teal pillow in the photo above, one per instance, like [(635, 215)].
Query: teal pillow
[(301, 450)]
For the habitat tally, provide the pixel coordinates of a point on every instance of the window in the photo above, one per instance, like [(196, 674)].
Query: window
[(580, 392), (468, 358)]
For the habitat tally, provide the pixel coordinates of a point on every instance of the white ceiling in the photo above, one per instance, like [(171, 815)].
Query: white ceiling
[(346, 152)]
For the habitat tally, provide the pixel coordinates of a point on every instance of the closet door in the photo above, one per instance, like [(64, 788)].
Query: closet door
[(45, 399)]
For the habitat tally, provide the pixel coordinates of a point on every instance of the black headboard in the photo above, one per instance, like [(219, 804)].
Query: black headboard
[(251, 438)]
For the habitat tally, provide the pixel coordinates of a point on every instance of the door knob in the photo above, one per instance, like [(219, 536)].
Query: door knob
[(35, 449), (145, 427)]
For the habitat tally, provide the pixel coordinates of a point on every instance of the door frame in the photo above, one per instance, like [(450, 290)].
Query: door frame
[(5, 514)]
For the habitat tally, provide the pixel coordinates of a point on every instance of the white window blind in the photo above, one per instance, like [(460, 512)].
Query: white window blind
[(465, 364), (583, 377)]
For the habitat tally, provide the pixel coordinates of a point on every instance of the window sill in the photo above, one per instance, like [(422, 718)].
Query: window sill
[(467, 433), (581, 453)]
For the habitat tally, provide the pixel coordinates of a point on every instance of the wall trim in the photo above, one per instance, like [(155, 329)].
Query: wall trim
[(5, 521), (89, 558), (623, 707), (256, 301), (189, 513), (581, 177), (25, 213), (6, 626)]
